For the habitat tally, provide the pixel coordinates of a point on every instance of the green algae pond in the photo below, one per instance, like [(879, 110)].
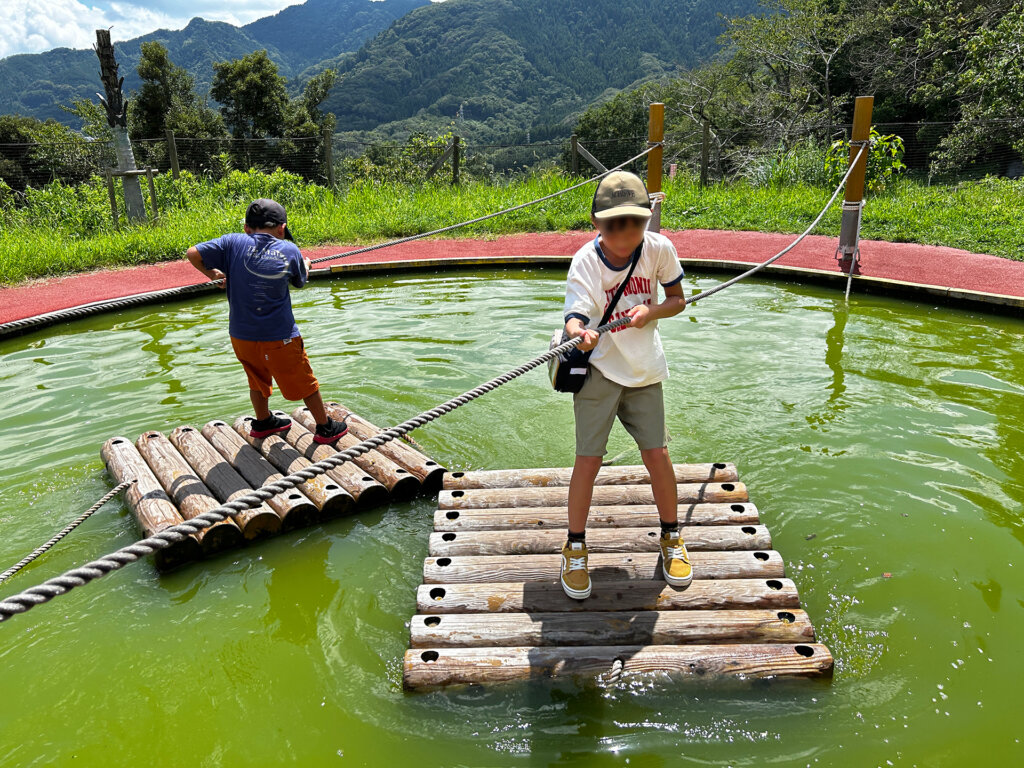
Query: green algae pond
[(882, 442)]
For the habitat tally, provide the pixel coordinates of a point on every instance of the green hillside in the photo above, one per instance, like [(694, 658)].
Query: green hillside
[(297, 38)]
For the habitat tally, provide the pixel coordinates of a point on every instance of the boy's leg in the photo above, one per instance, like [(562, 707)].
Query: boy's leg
[(315, 403), (581, 492), (260, 405), (663, 483)]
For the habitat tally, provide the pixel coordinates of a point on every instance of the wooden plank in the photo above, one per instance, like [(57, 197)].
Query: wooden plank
[(481, 630), (225, 483), (532, 542), (608, 516), (541, 596), (597, 164), (187, 491), (452, 666), (611, 566), (398, 481), (717, 472), (330, 498), (147, 500), (365, 491), (687, 493), (293, 507), (429, 472)]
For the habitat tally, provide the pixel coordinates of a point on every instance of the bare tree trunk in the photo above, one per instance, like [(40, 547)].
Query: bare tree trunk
[(117, 117)]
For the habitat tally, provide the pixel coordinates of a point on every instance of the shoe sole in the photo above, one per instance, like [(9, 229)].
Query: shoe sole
[(331, 439), (575, 594), (260, 434), (677, 581)]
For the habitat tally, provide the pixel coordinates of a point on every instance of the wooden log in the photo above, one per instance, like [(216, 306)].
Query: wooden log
[(187, 491), (531, 542), (541, 596), (425, 469), (482, 630), (609, 516), (150, 504), (294, 507), (225, 483), (424, 668), (719, 472), (687, 493), (608, 566), (330, 498), (365, 491), (386, 476)]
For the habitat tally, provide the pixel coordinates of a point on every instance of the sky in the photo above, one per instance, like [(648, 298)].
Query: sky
[(31, 26)]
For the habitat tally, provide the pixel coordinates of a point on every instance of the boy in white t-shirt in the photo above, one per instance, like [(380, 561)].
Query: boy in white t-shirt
[(627, 366)]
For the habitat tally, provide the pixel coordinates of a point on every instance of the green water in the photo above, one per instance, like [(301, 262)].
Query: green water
[(886, 439)]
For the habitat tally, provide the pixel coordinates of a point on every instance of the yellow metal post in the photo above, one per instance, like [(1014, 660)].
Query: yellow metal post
[(655, 135), (853, 202)]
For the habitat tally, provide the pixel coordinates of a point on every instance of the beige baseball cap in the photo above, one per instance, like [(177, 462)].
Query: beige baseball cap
[(621, 193)]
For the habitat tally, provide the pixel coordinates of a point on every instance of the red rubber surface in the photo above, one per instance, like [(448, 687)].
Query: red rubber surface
[(923, 264)]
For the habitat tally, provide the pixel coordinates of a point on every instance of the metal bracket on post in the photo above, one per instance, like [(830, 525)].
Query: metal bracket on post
[(849, 239)]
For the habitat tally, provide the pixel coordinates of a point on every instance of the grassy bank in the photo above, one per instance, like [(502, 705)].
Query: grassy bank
[(59, 230)]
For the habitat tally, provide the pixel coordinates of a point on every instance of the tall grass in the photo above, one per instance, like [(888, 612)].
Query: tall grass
[(61, 229)]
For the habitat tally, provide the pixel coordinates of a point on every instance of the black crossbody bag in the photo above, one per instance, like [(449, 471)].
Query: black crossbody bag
[(568, 370)]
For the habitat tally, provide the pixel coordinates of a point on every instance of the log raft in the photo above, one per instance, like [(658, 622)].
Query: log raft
[(190, 471), (491, 608)]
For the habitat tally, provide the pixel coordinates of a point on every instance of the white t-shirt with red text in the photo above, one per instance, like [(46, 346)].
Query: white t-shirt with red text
[(632, 357)]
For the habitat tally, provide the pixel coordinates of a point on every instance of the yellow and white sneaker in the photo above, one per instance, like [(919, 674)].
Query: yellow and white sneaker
[(675, 562), (575, 579)]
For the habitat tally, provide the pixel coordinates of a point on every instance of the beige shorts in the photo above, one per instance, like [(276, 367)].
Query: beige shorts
[(640, 409)]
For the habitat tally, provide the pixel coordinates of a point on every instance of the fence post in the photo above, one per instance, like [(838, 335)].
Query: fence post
[(574, 154), (152, 193), (705, 150), (113, 196), (655, 134), (455, 160), (329, 156), (172, 154), (853, 202)]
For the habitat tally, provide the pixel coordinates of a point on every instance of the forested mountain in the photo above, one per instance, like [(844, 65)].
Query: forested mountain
[(297, 38), (511, 64)]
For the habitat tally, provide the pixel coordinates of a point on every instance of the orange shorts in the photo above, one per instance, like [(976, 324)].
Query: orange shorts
[(282, 361)]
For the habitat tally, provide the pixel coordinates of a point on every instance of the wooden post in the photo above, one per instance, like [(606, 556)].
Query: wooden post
[(455, 160), (686, 493), (329, 156), (719, 472), (186, 489), (154, 213), (108, 174), (294, 508), (853, 202), (398, 481), (147, 500), (655, 134), (607, 516), (226, 484), (705, 149), (172, 154), (574, 154)]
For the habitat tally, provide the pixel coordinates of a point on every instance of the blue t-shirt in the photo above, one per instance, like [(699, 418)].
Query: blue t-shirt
[(259, 269)]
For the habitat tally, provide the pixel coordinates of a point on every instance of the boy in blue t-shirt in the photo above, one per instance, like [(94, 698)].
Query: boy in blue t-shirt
[(257, 268)]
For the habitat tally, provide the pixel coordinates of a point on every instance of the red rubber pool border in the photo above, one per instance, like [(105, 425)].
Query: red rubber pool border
[(930, 273)]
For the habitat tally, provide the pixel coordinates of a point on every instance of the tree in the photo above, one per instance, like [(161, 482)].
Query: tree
[(617, 130), (254, 100)]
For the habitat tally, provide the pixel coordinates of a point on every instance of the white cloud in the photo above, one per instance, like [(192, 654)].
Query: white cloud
[(31, 26)]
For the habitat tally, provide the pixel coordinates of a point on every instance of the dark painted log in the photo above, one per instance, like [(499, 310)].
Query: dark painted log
[(611, 566), (692, 493), (225, 483), (330, 498), (482, 630), (452, 666), (548, 596), (399, 482), (147, 500), (532, 542), (608, 516), (364, 489), (719, 472), (429, 473), (187, 491), (294, 507)]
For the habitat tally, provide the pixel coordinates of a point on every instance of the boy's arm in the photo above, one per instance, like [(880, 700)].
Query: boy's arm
[(300, 269), (196, 259), (579, 307), (670, 275)]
